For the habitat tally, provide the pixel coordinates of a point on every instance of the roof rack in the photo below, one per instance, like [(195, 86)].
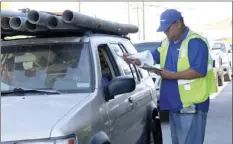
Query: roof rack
[(47, 24)]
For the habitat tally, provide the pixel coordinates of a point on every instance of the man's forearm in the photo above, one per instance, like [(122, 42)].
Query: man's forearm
[(187, 74)]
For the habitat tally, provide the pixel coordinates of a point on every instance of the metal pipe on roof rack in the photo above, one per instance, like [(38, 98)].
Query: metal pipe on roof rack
[(37, 17), (90, 22), (7, 13), (18, 23), (34, 27), (79, 19), (107, 25), (129, 28), (5, 23), (56, 22)]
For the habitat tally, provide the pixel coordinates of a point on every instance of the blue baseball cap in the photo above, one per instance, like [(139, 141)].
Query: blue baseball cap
[(167, 18)]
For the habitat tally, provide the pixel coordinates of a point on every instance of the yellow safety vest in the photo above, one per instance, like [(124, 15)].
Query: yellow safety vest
[(196, 90)]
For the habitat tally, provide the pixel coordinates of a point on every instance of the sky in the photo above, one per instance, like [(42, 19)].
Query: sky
[(196, 14)]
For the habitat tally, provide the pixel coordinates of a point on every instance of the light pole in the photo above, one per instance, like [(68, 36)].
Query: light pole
[(128, 12), (128, 4), (143, 16), (139, 34), (138, 21), (79, 6)]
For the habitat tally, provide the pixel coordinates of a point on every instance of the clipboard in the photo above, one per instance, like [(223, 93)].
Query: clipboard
[(149, 68)]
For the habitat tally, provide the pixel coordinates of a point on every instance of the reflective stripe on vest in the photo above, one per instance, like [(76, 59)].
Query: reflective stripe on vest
[(182, 82)]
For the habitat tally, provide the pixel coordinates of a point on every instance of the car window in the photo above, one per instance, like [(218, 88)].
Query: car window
[(123, 66), (219, 46), (64, 66), (133, 67), (224, 48), (106, 67), (129, 47)]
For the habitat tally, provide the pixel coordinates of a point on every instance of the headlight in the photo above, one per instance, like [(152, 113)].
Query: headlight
[(62, 140)]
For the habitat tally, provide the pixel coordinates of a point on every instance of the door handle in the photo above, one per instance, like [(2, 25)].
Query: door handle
[(130, 99)]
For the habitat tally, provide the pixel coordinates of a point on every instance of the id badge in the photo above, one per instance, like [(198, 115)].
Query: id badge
[(187, 87), (190, 109)]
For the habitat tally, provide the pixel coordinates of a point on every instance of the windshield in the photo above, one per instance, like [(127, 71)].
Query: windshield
[(217, 46), (64, 67), (146, 46)]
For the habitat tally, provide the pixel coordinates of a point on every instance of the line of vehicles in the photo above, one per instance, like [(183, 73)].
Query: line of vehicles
[(221, 52)]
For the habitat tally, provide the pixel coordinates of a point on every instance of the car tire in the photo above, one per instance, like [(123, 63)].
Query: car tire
[(227, 76), (156, 136), (153, 130), (220, 80), (100, 138), (216, 80)]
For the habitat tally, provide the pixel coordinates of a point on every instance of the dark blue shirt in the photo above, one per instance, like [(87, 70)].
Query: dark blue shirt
[(105, 81), (198, 59)]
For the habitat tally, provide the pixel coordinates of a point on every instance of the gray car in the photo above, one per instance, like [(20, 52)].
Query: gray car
[(75, 90)]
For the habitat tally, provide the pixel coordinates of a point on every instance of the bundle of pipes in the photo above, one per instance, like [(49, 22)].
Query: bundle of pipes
[(37, 21)]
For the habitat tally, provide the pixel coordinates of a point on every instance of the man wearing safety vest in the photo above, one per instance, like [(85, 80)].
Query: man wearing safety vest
[(187, 78)]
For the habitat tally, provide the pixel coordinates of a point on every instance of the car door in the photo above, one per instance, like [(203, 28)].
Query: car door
[(119, 109), (132, 126), (144, 90), (224, 55)]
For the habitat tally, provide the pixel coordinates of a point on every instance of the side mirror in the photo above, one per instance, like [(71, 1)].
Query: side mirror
[(120, 85), (229, 51)]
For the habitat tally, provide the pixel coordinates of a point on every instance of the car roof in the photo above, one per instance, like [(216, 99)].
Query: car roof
[(44, 40)]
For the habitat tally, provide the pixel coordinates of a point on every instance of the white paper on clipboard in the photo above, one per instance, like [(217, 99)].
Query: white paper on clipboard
[(145, 57)]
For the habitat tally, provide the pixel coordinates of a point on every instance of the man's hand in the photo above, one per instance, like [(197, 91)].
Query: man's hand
[(187, 74), (165, 74), (131, 61)]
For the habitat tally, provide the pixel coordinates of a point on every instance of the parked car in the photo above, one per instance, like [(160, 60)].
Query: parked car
[(60, 93), (146, 45), (219, 80), (222, 55), (70, 85)]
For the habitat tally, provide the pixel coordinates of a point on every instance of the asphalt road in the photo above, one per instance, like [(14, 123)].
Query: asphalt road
[(219, 122)]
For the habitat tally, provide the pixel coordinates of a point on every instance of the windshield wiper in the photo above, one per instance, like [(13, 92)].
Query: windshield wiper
[(22, 91)]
